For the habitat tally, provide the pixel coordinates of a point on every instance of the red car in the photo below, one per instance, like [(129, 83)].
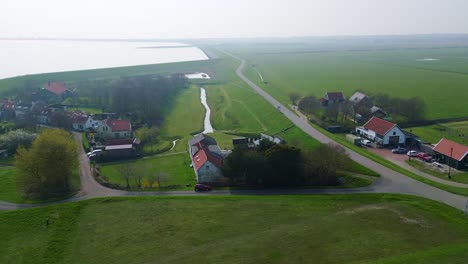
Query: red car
[(202, 187), (424, 156)]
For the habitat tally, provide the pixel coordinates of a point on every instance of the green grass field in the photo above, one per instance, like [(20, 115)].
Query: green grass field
[(366, 228), (442, 83), (10, 193), (8, 190), (456, 131), (177, 167)]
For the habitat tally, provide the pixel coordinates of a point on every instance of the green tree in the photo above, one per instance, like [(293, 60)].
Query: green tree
[(46, 169), (294, 97)]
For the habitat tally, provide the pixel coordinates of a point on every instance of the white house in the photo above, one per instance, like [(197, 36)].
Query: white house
[(112, 128), (382, 132), (207, 159)]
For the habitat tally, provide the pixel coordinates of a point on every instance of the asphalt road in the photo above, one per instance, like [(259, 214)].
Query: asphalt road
[(389, 182)]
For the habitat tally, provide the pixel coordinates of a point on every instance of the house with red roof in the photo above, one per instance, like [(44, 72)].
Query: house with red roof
[(382, 132), (79, 120), (115, 128), (54, 91), (332, 98), (452, 153), (207, 159), (7, 110)]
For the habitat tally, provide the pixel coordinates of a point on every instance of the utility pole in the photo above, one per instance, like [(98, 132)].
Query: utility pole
[(450, 160)]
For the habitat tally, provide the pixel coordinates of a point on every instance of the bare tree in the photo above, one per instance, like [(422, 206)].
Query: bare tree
[(161, 178), (139, 175), (127, 171)]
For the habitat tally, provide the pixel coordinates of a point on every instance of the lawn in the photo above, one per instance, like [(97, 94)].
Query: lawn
[(8, 190), (88, 110), (455, 131), (176, 166), (441, 83), (10, 193), (429, 169), (358, 228)]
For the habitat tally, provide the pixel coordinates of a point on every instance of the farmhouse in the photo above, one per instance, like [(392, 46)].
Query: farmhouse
[(207, 159), (79, 120), (332, 98), (382, 132), (112, 128), (359, 98), (378, 112), (54, 91), (452, 153)]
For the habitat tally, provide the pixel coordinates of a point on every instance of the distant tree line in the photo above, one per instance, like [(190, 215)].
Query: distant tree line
[(143, 98), (404, 110), (285, 165)]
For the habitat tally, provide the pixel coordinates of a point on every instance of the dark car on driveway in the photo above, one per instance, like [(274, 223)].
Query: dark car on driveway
[(399, 150), (202, 187)]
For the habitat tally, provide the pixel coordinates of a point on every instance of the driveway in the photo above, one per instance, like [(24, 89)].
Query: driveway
[(400, 160)]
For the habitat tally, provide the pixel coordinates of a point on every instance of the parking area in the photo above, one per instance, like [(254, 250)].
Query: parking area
[(400, 159)]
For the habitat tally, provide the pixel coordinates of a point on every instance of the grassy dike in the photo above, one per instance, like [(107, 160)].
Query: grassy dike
[(357, 228)]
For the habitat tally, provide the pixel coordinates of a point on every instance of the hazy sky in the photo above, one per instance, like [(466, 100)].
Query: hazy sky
[(233, 18)]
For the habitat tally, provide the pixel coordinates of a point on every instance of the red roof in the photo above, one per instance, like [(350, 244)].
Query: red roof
[(335, 96), (118, 125), (202, 156), (57, 88), (378, 125), (79, 119), (445, 146), (8, 105)]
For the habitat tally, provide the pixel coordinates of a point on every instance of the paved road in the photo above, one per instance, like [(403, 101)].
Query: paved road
[(391, 182), (402, 163)]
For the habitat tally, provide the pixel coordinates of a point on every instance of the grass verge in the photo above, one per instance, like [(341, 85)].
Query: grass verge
[(353, 228)]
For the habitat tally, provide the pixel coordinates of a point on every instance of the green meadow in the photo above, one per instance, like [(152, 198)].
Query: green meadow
[(357, 228), (455, 131), (441, 82)]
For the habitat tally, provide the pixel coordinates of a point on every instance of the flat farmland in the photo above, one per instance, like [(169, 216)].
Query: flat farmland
[(439, 76), (455, 131)]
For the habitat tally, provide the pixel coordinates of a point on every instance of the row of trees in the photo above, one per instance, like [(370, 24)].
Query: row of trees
[(402, 109), (46, 168), (139, 177), (143, 97), (285, 165)]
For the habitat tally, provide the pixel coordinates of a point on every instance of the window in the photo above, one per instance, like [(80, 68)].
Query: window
[(394, 132)]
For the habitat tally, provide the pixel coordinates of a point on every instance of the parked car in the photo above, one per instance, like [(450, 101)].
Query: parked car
[(202, 187), (412, 153), (366, 142), (399, 150), (95, 152), (436, 164), (424, 157)]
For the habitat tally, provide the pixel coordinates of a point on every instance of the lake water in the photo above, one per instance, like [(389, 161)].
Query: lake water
[(22, 57)]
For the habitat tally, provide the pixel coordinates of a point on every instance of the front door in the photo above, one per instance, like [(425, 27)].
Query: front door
[(394, 141)]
